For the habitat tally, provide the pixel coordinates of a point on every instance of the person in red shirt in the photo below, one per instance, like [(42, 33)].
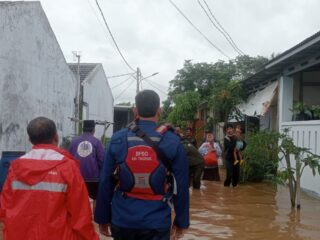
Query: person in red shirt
[(44, 196)]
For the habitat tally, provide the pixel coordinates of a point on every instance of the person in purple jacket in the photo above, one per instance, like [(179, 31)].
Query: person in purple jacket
[(90, 152)]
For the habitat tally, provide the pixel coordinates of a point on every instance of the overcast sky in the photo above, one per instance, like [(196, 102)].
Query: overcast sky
[(153, 36)]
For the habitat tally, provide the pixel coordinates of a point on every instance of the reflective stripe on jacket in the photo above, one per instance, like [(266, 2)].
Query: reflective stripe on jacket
[(44, 197)]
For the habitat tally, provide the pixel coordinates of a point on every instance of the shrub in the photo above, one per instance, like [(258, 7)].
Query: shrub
[(261, 155)]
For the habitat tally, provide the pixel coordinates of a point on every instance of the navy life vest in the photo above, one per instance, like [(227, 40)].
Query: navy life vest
[(143, 175)]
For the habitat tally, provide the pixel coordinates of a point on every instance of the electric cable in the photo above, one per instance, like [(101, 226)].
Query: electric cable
[(215, 25), (147, 81), (121, 83), (120, 75), (211, 43), (222, 28), (114, 41), (125, 89), (103, 27)]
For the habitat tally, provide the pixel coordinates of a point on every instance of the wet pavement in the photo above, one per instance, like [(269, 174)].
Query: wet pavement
[(250, 211)]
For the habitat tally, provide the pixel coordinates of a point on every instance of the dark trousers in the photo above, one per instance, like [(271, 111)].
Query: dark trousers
[(233, 174), (119, 233), (195, 173)]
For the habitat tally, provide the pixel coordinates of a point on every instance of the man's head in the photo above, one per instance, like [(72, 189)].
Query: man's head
[(229, 129), (147, 104), (42, 130), (89, 126)]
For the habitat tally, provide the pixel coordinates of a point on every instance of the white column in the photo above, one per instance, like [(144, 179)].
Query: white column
[(285, 100)]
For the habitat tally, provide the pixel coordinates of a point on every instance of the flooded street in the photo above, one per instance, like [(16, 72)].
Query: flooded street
[(252, 211)]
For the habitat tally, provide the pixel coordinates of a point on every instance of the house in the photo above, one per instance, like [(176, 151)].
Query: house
[(97, 96), (35, 79), (123, 115), (291, 79)]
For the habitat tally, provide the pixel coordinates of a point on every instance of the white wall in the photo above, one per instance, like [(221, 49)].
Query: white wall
[(98, 94), (306, 134), (34, 77)]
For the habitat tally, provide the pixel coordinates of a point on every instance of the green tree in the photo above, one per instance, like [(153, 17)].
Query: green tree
[(217, 83), (293, 170), (200, 77), (247, 66), (225, 96), (185, 108)]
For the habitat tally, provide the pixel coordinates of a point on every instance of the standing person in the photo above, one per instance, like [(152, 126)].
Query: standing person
[(189, 136), (229, 147), (196, 163), (210, 150), (140, 208), (44, 196), (90, 152)]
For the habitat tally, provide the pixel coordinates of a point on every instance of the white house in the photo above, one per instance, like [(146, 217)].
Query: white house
[(35, 79), (97, 95), (293, 76)]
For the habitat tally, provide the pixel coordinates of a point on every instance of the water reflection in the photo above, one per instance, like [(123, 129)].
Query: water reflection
[(251, 211)]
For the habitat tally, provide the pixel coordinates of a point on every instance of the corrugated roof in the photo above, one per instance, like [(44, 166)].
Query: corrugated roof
[(85, 69), (271, 70)]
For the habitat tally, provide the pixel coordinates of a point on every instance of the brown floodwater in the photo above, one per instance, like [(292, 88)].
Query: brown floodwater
[(250, 211)]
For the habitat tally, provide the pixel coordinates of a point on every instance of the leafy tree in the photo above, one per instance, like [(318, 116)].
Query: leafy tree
[(261, 155), (266, 149), (185, 108), (217, 83), (200, 77), (292, 174), (225, 96), (166, 110), (246, 66)]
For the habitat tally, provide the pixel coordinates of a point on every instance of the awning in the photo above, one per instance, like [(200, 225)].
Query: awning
[(259, 102)]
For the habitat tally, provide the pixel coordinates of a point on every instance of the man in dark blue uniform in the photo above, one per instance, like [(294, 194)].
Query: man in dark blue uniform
[(141, 198)]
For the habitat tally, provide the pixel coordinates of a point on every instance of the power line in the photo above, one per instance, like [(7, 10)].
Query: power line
[(218, 49), (114, 41), (222, 28), (158, 84), (125, 89), (147, 81), (121, 83), (120, 75), (225, 36), (103, 27)]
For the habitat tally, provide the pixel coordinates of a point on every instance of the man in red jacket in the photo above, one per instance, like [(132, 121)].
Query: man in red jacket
[(44, 196)]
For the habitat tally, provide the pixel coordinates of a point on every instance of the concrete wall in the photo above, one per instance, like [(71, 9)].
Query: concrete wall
[(98, 95), (34, 77)]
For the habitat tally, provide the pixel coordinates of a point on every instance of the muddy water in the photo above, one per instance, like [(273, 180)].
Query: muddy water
[(253, 211)]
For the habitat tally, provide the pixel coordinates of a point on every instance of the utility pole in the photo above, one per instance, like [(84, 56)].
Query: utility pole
[(77, 101), (138, 80)]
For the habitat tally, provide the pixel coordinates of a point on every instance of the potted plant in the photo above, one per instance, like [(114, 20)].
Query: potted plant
[(300, 112), (315, 109)]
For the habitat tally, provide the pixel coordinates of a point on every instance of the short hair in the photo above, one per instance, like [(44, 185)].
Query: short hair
[(88, 125), (41, 130), (229, 125), (147, 103)]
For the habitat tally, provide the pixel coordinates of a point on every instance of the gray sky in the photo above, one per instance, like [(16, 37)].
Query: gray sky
[(153, 36)]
